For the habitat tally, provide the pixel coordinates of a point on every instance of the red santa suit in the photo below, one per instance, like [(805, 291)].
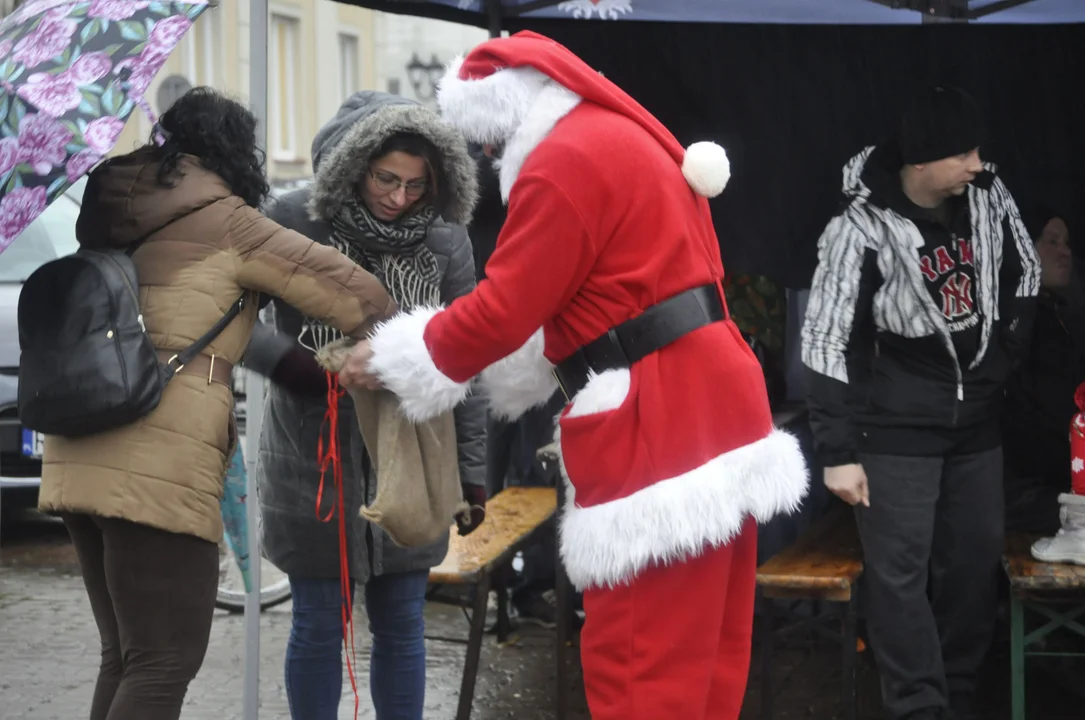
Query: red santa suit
[(669, 464)]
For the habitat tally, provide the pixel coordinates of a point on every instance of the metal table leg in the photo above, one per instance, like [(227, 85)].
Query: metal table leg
[(504, 624), (474, 647), (1017, 656), (561, 593), (849, 643), (766, 660)]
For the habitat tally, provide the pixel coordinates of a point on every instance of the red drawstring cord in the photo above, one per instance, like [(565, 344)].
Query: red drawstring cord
[(333, 458)]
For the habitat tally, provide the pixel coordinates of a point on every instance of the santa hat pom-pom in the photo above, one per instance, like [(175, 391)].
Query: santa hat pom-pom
[(706, 168)]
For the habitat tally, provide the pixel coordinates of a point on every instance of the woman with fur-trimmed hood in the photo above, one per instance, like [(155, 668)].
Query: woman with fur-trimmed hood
[(393, 188)]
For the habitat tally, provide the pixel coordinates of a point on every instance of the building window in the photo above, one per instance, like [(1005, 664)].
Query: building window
[(348, 65), (284, 53), (210, 42), (201, 49)]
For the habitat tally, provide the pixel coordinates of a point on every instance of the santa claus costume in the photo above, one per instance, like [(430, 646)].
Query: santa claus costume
[(670, 458)]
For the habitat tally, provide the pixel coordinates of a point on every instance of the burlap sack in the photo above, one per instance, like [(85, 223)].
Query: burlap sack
[(417, 467)]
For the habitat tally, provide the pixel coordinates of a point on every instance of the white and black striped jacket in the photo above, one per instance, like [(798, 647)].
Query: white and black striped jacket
[(879, 348)]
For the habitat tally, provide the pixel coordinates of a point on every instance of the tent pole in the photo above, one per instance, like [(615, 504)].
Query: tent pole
[(254, 383), (493, 11)]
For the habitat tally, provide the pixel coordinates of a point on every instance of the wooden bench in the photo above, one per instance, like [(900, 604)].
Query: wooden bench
[(824, 565), (1053, 591), (512, 517)]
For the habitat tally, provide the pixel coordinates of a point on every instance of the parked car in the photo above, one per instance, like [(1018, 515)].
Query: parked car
[(49, 237), (282, 187)]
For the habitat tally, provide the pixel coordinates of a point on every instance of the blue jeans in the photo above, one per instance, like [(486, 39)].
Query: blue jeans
[(397, 662)]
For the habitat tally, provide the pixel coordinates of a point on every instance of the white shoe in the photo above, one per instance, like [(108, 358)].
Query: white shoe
[(1068, 545)]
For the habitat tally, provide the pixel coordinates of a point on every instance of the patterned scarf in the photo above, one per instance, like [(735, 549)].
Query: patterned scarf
[(394, 252)]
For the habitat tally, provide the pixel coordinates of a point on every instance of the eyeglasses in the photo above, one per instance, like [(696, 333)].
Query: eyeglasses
[(386, 182)]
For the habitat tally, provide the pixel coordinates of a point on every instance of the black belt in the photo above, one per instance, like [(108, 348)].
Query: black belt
[(655, 328)]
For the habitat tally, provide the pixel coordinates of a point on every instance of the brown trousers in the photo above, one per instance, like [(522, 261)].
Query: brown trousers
[(153, 597)]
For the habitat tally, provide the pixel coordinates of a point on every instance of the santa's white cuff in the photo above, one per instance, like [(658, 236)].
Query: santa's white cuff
[(404, 366), (521, 381)]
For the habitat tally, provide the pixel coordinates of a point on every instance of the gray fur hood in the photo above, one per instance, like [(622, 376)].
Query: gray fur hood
[(342, 148)]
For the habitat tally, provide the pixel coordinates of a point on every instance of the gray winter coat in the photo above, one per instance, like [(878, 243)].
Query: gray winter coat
[(287, 476)]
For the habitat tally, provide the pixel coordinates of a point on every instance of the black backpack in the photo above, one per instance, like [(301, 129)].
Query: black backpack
[(87, 363)]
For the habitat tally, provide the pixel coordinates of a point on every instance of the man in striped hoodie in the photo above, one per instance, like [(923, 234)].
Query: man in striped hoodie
[(919, 308)]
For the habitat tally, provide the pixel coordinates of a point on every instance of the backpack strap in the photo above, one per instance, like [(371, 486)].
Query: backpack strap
[(188, 354)]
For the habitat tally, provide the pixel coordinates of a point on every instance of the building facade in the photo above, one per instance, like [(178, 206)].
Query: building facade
[(319, 52)]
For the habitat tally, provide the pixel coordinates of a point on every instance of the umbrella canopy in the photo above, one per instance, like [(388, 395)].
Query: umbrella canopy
[(235, 520), (795, 12), (71, 72)]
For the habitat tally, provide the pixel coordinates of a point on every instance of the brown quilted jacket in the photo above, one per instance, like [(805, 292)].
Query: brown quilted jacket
[(204, 247)]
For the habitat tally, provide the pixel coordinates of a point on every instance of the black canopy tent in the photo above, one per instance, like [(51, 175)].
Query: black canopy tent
[(497, 15), (794, 88), (792, 101)]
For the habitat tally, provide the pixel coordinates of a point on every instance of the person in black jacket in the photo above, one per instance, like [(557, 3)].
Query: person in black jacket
[(1040, 396), (919, 308)]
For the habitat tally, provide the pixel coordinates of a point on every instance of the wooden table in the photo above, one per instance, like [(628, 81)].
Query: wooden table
[(823, 565), (1054, 591), (512, 518)]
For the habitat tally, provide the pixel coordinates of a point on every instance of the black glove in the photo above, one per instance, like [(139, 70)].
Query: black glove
[(299, 372), (475, 495)]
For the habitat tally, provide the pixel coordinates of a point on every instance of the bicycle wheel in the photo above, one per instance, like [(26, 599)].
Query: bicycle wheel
[(274, 584)]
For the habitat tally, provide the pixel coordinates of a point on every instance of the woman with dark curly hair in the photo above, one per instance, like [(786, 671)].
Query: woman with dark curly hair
[(142, 502)]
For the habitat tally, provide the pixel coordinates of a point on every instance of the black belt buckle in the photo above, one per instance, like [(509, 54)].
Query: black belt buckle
[(561, 385), (572, 373), (623, 346)]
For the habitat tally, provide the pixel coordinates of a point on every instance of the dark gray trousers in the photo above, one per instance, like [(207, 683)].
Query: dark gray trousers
[(932, 545), (152, 593)]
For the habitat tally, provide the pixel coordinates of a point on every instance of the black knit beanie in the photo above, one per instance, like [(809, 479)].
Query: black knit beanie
[(1037, 216), (940, 123)]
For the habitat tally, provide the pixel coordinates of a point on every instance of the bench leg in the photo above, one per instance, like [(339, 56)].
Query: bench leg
[(474, 647), (1017, 656), (561, 593), (766, 660), (504, 624), (850, 642)]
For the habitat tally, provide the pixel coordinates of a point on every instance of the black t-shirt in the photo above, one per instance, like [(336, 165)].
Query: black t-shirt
[(946, 263)]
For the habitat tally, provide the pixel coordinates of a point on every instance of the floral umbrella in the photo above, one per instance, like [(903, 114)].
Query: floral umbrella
[(71, 72)]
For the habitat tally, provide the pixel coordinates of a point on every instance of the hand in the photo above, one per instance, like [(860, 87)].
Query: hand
[(848, 482), (355, 371), (468, 522)]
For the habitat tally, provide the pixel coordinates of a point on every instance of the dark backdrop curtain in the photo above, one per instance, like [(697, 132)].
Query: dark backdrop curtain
[(791, 104)]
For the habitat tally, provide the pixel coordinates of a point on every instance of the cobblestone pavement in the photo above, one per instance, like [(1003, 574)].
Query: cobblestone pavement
[(49, 655)]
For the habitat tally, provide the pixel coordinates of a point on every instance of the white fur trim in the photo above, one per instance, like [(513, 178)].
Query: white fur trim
[(605, 391), (402, 362), (521, 381), (490, 109), (673, 520), (706, 168), (552, 103), (516, 107)]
